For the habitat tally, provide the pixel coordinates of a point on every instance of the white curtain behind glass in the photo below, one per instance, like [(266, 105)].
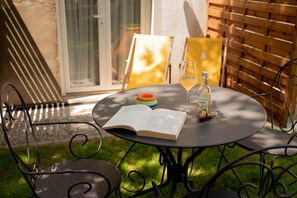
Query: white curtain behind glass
[(82, 35), (125, 21)]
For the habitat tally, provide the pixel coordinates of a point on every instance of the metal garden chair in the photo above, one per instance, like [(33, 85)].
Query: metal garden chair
[(282, 130), (82, 176), (278, 179), (279, 132)]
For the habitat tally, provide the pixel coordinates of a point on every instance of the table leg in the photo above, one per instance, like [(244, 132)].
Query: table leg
[(164, 163), (125, 155), (178, 172), (186, 166), (227, 161), (176, 168)]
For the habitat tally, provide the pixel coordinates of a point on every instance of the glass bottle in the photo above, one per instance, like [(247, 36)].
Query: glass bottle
[(204, 93)]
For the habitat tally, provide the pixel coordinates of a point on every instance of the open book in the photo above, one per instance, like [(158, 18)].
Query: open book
[(158, 123)]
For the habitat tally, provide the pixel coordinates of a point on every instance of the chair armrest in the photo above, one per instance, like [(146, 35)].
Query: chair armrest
[(78, 136), (60, 172), (66, 122)]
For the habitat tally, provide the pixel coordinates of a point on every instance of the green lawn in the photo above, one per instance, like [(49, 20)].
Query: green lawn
[(143, 158)]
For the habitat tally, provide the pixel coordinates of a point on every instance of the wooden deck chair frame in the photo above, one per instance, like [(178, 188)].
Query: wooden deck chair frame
[(129, 65), (223, 61)]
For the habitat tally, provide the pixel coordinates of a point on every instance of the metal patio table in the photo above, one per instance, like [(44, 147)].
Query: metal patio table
[(238, 116)]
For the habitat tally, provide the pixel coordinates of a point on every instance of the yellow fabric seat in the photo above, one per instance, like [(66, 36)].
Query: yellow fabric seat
[(148, 61), (208, 53)]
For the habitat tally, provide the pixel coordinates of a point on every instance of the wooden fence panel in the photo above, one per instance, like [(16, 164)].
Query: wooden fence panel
[(262, 38)]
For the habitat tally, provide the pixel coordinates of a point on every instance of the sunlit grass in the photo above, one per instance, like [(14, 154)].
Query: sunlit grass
[(22, 181), (142, 158)]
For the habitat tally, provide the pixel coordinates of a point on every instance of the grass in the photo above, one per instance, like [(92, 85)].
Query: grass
[(143, 158)]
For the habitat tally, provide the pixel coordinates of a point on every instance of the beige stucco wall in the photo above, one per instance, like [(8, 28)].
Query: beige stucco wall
[(40, 18), (29, 49)]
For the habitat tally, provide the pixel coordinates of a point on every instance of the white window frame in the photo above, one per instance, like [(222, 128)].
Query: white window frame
[(105, 55)]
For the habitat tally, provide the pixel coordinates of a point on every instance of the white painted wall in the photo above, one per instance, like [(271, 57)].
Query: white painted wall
[(181, 19)]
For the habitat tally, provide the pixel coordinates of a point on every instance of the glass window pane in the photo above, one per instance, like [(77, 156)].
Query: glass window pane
[(125, 21), (82, 38)]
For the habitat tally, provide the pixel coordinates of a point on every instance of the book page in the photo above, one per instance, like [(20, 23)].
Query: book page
[(131, 117), (164, 121)]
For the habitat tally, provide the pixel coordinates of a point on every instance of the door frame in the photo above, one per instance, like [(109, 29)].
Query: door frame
[(105, 72)]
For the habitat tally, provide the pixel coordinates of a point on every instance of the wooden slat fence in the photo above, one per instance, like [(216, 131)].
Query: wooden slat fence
[(262, 38)]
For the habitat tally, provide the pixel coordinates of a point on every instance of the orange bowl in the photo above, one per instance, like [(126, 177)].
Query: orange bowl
[(146, 97)]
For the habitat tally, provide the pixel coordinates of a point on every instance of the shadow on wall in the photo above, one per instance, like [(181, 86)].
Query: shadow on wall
[(22, 62), (193, 25)]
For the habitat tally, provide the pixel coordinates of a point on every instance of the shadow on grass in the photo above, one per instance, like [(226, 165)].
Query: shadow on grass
[(142, 158)]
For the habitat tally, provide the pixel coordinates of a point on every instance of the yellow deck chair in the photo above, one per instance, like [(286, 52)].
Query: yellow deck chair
[(210, 56), (148, 61)]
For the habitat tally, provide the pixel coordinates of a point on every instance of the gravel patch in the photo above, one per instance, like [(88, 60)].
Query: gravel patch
[(55, 133)]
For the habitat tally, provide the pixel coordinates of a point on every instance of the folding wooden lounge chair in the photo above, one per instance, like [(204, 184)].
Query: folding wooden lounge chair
[(210, 55), (148, 61)]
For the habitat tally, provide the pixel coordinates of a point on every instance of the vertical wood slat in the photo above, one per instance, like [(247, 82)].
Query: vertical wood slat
[(293, 89), (262, 38)]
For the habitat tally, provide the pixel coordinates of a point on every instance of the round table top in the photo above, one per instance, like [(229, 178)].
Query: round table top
[(239, 116)]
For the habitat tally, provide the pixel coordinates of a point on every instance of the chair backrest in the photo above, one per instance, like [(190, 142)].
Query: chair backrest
[(17, 126), (16, 123), (210, 55), (148, 61), (279, 175), (282, 103)]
